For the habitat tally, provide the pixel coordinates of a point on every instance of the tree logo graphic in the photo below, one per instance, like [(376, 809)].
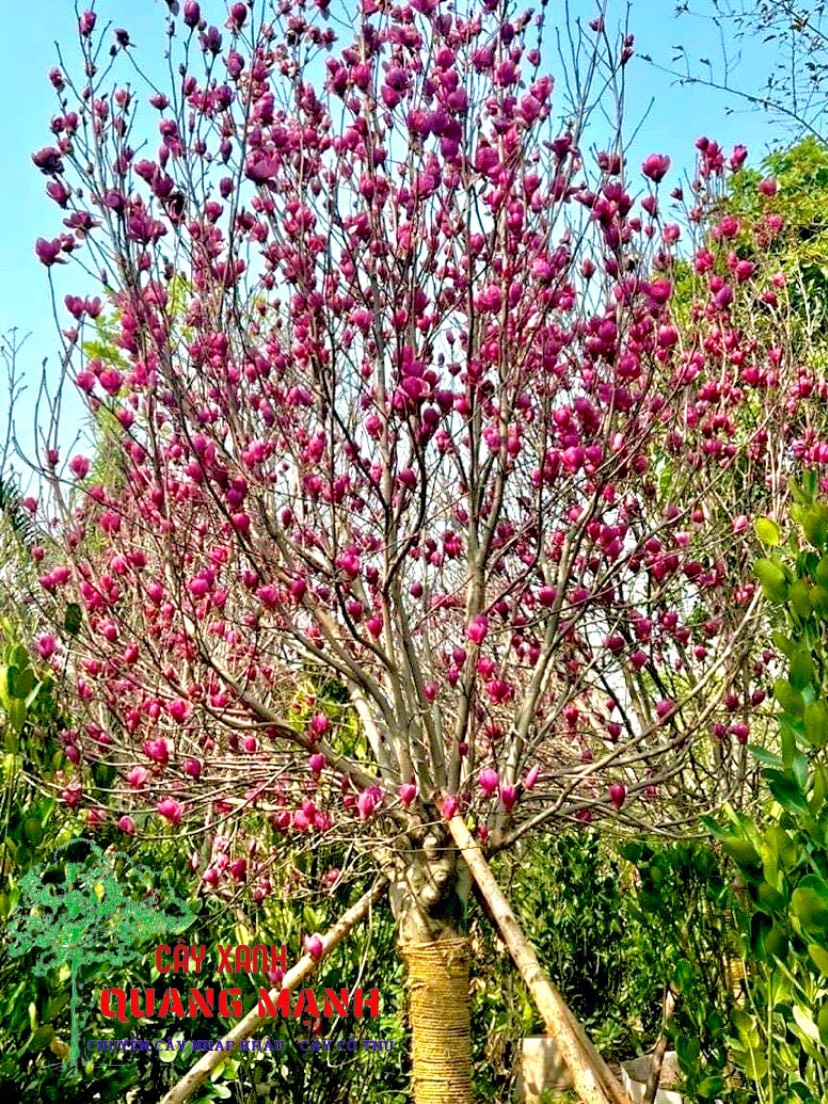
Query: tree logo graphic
[(76, 911)]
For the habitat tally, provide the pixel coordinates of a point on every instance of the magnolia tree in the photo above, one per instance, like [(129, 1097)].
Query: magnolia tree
[(398, 395)]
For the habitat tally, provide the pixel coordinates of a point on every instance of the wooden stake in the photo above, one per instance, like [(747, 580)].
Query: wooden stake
[(592, 1079)]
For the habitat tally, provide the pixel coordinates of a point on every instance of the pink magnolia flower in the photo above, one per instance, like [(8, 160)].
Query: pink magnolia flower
[(508, 795), (656, 166), (449, 806), (531, 777), (79, 466), (741, 732), (477, 630), (238, 869), (191, 13), (46, 646), (319, 725), (488, 781), (171, 810), (48, 252), (547, 596), (137, 777), (179, 710), (157, 750), (86, 23), (48, 160), (408, 792), (367, 802), (95, 817), (127, 825), (72, 795), (618, 794), (238, 15), (314, 946)]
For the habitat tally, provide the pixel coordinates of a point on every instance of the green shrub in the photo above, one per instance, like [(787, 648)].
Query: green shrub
[(780, 1035)]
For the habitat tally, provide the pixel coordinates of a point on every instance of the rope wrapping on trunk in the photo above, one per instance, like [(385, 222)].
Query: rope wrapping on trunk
[(438, 1006)]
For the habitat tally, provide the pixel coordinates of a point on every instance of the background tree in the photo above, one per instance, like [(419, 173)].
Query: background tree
[(793, 37)]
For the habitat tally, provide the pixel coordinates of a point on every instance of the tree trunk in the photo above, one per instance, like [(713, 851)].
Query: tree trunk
[(438, 1008), (429, 891), (592, 1079)]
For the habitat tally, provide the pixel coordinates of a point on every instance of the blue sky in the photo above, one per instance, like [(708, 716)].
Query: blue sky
[(671, 118)]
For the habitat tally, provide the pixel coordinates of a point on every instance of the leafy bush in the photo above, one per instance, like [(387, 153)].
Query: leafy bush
[(615, 925), (780, 1037)]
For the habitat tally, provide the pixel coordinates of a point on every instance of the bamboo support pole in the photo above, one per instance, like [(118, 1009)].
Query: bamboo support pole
[(591, 1077)]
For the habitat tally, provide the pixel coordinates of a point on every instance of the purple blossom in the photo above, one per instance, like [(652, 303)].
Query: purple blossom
[(656, 166), (211, 41), (48, 252), (261, 168), (48, 160), (86, 23), (314, 946), (192, 14), (238, 16), (58, 191)]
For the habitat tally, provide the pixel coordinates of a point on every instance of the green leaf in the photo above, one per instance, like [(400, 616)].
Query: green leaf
[(814, 522), (768, 532), (17, 715), (765, 757), (820, 957), (801, 494), (710, 1087), (799, 596), (741, 851), (776, 942), (789, 698), (788, 741), (815, 718), (787, 792), (809, 903), (783, 846), (784, 643), (819, 599), (805, 1023), (772, 579), (820, 788), (24, 681)]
